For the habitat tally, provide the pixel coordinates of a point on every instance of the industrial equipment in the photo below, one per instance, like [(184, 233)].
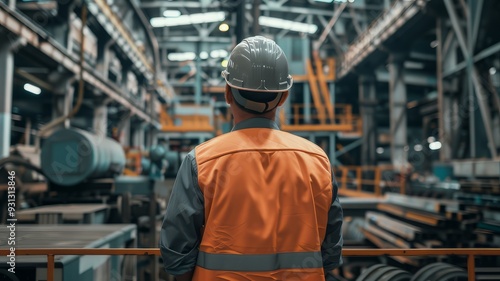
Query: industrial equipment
[(73, 267), (73, 156)]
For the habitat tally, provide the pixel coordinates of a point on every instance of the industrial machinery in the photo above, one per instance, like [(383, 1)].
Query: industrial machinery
[(81, 268), (86, 184), (71, 157)]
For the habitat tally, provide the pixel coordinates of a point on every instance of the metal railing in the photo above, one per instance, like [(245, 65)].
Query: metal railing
[(344, 120), (369, 180), (471, 253)]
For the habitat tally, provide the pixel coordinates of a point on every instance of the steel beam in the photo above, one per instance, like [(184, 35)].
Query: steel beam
[(475, 86), (348, 148), (198, 83), (100, 122), (443, 136), (138, 136), (6, 81), (367, 101), (339, 47), (397, 102), (328, 28)]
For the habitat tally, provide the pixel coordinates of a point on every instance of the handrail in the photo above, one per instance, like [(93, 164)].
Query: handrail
[(469, 252)]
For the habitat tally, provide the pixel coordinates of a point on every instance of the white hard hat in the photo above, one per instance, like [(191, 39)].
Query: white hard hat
[(258, 64)]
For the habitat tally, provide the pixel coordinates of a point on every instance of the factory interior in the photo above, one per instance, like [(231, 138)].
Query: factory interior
[(101, 100)]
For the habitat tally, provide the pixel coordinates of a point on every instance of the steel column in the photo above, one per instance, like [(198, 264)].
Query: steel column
[(100, 122), (397, 101), (474, 84), (6, 80), (443, 112), (367, 101), (198, 83), (307, 104), (138, 136)]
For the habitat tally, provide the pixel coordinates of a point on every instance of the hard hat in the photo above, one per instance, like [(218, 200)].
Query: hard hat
[(258, 64)]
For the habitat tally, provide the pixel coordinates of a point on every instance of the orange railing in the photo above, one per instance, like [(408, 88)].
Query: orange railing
[(368, 181), (344, 120), (471, 253)]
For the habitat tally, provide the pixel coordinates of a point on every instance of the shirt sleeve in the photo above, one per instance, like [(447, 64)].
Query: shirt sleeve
[(181, 229), (331, 249)]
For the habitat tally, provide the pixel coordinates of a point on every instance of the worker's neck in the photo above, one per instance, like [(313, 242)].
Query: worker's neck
[(241, 115)]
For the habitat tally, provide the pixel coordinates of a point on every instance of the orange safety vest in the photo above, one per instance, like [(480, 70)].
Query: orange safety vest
[(267, 194)]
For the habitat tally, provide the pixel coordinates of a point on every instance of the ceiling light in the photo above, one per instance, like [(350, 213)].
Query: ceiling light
[(223, 27), (181, 56), (224, 63), (188, 19), (32, 89), (380, 150), (324, 1), (434, 44), (413, 65), (204, 55), (493, 71), (435, 145), (287, 24), (418, 147), (172, 13), (431, 139), (219, 53)]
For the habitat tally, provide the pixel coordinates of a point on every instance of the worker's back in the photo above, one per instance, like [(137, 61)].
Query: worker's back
[(267, 194)]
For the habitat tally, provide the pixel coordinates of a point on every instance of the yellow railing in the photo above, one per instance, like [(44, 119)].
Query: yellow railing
[(471, 253), (368, 177)]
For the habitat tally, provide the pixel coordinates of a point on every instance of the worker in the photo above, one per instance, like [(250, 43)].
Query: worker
[(256, 203)]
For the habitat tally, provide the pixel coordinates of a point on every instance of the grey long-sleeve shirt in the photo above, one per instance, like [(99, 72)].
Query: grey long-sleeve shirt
[(181, 230)]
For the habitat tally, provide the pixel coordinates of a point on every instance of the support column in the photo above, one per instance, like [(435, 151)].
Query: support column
[(444, 104), (138, 136), (307, 104), (63, 98), (198, 81), (397, 102), (6, 80), (125, 133), (367, 102), (100, 123)]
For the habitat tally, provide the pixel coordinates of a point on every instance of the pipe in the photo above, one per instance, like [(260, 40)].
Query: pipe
[(81, 85)]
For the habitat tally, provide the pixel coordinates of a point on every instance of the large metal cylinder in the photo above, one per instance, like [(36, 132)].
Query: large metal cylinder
[(71, 156)]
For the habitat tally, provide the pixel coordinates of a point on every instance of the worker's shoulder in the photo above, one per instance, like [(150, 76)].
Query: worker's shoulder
[(300, 143), (255, 139)]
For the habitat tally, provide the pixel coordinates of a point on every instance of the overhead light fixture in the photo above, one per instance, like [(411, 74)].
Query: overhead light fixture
[(418, 147), (204, 55), (414, 65), (288, 24), (219, 53), (172, 13), (188, 19), (32, 89), (493, 71), (325, 1), (434, 44), (379, 150), (435, 145), (224, 27), (181, 56), (431, 139)]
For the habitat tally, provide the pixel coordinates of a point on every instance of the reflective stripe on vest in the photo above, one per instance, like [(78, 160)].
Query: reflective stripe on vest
[(262, 262)]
